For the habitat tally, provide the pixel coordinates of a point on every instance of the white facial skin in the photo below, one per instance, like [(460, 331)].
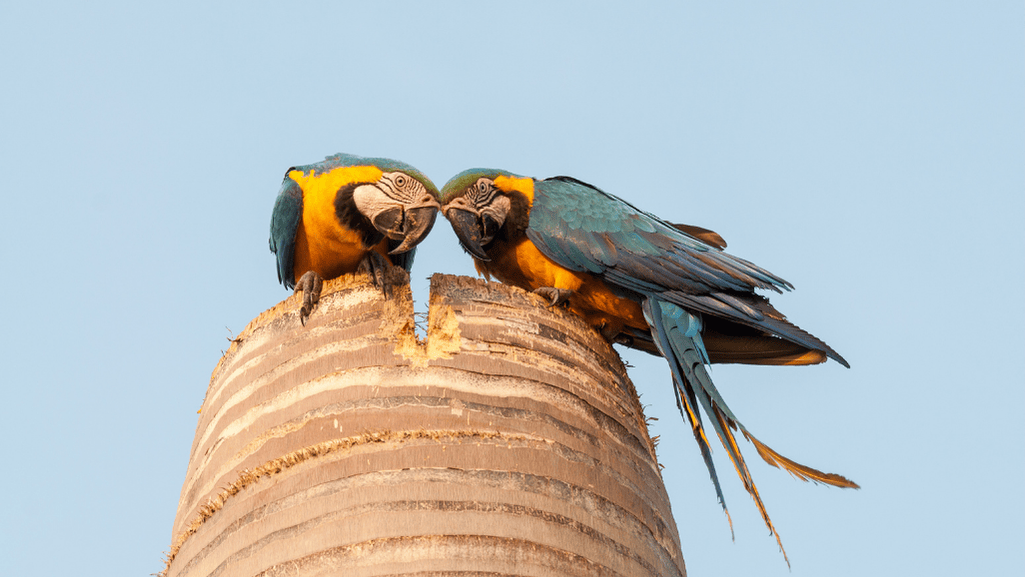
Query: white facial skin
[(391, 190), (483, 199), (388, 201)]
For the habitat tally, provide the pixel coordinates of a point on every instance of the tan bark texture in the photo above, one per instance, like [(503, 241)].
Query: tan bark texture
[(510, 442)]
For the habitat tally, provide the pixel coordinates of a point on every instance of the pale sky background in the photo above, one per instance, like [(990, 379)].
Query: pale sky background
[(871, 153)]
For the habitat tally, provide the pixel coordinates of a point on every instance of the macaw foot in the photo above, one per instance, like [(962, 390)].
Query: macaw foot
[(613, 335), (310, 284), (376, 266), (620, 339), (555, 296)]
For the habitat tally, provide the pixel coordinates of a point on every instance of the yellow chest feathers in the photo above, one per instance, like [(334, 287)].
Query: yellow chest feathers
[(520, 263), (323, 243)]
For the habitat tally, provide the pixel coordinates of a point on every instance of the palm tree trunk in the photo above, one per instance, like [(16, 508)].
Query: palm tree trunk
[(510, 443)]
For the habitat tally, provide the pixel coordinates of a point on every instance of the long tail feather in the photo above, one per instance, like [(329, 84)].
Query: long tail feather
[(706, 454), (686, 401), (749, 484), (677, 334), (802, 472), (687, 348)]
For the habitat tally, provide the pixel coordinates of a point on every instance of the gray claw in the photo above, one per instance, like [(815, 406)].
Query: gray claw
[(376, 266), (310, 284), (556, 296)]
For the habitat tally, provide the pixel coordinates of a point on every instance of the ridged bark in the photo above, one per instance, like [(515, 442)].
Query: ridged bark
[(510, 443)]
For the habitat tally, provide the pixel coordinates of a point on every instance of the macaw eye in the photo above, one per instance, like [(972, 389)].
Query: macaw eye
[(482, 194), (400, 181)]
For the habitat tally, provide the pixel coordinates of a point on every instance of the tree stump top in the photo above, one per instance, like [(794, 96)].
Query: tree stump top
[(508, 441)]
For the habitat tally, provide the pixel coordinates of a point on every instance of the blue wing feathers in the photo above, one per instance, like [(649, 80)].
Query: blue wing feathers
[(605, 251), (740, 305), (754, 311), (566, 212), (585, 229), (555, 250), (288, 211)]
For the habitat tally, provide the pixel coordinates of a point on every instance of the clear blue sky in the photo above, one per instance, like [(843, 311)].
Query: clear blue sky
[(872, 153)]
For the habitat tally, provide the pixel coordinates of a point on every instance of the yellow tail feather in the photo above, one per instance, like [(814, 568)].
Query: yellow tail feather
[(798, 470), (730, 442)]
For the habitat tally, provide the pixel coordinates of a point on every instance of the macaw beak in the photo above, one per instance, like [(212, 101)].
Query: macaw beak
[(389, 222), (417, 221), (397, 219), (469, 230)]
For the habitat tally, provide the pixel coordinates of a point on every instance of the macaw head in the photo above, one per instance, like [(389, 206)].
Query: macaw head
[(481, 203), (398, 200), (377, 196)]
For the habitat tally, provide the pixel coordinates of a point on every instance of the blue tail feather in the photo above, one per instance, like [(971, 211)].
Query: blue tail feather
[(677, 335), (685, 395)]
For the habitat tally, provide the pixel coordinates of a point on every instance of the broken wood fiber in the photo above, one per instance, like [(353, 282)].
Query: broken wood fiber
[(510, 442)]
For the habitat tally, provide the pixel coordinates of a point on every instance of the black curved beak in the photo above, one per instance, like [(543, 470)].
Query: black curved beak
[(417, 222), (389, 222), (469, 230)]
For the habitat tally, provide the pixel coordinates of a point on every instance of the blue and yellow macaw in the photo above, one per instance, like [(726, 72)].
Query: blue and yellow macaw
[(348, 213), (644, 282)]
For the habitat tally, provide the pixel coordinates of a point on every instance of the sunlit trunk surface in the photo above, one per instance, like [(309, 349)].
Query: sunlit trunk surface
[(511, 442)]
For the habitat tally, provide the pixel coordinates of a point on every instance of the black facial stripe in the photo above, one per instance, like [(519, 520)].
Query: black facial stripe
[(408, 192), (483, 194), (352, 218)]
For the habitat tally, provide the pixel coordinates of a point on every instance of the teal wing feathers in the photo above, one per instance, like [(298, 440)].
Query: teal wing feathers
[(288, 212), (592, 230), (586, 229)]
